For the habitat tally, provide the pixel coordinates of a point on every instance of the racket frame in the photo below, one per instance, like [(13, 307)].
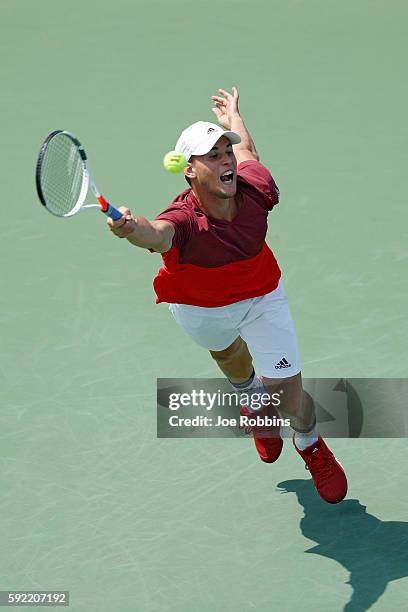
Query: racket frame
[(87, 181)]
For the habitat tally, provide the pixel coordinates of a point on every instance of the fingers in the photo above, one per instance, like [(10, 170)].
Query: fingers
[(228, 99), (121, 221), (221, 109), (124, 226), (225, 106), (114, 224)]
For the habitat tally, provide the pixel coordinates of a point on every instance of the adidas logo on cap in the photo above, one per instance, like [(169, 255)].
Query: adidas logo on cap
[(282, 364)]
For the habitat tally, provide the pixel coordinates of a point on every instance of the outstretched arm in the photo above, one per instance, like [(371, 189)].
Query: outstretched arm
[(228, 115), (155, 235)]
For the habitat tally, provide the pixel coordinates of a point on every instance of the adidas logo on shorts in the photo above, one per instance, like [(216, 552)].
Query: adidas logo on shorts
[(282, 364)]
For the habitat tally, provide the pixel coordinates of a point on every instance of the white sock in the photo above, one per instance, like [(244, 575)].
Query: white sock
[(253, 382), (303, 440), (252, 385)]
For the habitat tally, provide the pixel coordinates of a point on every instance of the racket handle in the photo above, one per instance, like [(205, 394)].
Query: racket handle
[(113, 212), (108, 209)]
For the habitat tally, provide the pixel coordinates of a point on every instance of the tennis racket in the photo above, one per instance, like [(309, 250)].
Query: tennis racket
[(63, 177)]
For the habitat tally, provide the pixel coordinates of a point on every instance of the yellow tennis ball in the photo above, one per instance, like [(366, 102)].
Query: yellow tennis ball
[(174, 162)]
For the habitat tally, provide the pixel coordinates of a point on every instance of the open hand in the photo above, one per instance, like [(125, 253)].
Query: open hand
[(226, 105)]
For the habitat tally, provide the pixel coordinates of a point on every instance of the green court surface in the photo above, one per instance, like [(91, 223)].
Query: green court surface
[(91, 501)]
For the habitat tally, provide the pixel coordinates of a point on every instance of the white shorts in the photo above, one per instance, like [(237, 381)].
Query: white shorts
[(264, 322)]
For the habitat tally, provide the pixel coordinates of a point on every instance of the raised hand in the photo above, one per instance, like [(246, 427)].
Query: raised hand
[(226, 106)]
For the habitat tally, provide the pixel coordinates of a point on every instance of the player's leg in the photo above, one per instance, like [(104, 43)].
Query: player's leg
[(269, 332), (215, 329), (295, 404), (237, 364), (235, 361)]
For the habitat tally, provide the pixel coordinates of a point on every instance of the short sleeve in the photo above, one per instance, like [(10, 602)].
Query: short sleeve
[(183, 220), (257, 175)]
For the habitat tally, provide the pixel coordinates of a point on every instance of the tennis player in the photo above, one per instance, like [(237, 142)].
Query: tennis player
[(224, 285)]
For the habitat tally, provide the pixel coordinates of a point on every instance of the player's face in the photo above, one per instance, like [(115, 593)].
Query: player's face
[(216, 172)]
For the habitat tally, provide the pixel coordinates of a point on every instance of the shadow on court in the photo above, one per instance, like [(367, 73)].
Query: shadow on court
[(373, 551)]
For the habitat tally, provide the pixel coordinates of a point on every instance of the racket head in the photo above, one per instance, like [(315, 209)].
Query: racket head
[(62, 174)]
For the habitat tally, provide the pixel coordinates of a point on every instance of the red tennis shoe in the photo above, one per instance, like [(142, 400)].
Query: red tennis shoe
[(267, 438), (327, 472)]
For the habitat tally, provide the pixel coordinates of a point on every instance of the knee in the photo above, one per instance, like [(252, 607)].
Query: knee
[(230, 353), (290, 390), (292, 383)]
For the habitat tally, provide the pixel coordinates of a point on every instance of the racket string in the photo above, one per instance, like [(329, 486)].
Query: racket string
[(62, 175)]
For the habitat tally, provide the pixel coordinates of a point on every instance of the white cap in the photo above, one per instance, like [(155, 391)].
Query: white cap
[(200, 137)]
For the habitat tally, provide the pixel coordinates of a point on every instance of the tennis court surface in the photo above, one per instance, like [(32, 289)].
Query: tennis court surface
[(92, 502)]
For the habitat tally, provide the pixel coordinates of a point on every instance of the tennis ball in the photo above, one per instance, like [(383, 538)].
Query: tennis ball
[(174, 162)]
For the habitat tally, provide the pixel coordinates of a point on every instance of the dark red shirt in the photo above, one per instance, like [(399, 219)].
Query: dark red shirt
[(213, 262)]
